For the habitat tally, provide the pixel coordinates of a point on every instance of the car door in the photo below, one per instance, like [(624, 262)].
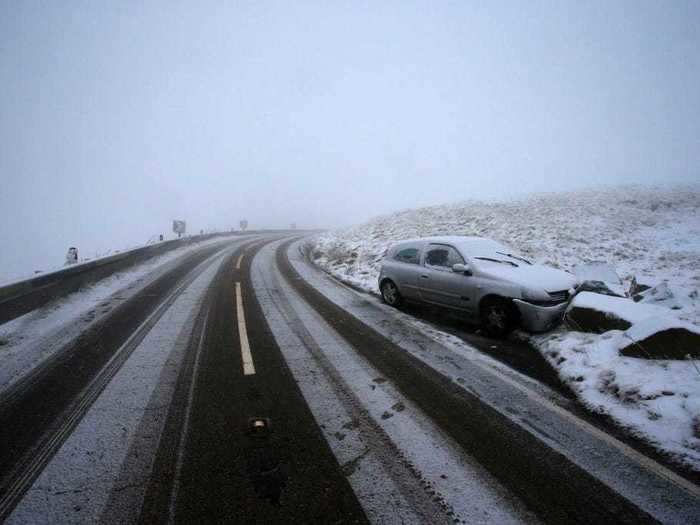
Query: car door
[(406, 269), (438, 284)]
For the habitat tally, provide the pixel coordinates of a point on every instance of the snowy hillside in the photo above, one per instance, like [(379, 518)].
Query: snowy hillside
[(650, 233)]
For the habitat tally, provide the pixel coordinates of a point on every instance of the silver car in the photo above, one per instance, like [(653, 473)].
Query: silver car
[(485, 280)]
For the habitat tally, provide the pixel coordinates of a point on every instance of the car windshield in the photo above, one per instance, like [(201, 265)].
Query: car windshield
[(491, 251), (516, 257)]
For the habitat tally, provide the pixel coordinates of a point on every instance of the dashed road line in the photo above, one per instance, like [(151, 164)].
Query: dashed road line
[(248, 365)]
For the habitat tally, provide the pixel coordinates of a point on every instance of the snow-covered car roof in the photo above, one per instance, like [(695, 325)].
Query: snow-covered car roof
[(468, 244)]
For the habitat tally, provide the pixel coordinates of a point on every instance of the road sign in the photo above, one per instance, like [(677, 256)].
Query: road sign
[(179, 227)]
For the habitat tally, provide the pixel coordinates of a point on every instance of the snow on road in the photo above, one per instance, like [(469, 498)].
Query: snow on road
[(30, 339), (528, 404), (402, 467), (651, 234), (100, 472)]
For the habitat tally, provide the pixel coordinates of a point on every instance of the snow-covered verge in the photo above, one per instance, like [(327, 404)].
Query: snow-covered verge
[(656, 400), (28, 340), (651, 234)]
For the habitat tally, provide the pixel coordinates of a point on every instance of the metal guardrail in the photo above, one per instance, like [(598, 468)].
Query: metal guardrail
[(19, 298)]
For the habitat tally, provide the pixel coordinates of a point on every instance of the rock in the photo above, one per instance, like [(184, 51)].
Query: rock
[(657, 294), (636, 288), (596, 313), (661, 338)]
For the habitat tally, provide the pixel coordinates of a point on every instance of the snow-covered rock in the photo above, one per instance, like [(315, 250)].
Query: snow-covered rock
[(661, 338), (636, 288), (596, 313)]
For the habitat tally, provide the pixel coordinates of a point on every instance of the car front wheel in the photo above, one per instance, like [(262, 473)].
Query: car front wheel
[(498, 317), (391, 294)]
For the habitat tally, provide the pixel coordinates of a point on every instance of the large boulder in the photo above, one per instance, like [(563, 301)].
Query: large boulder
[(595, 313), (661, 338)]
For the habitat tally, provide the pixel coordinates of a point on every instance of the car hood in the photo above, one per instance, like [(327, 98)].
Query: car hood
[(534, 276)]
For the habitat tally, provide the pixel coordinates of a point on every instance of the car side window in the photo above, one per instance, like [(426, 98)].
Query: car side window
[(443, 257), (408, 255)]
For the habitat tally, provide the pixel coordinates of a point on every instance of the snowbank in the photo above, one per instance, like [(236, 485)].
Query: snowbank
[(657, 401)]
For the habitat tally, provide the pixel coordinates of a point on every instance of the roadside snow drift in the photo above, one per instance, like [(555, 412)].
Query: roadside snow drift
[(656, 400), (651, 236)]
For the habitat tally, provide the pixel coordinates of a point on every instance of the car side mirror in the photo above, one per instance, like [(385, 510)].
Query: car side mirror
[(461, 268)]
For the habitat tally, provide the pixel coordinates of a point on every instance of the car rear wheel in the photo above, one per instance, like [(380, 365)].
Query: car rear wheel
[(391, 294), (498, 317)]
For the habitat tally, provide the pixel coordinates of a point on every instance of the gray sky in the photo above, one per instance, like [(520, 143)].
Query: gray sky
[(117, 117)]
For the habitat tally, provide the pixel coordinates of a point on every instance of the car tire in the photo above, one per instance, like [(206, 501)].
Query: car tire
[(498, 317), (391, 294)]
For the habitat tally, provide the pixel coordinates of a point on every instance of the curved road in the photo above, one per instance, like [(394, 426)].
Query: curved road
[(243, 385)]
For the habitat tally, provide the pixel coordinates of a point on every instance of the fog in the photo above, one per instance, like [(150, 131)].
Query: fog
[(116, 118)]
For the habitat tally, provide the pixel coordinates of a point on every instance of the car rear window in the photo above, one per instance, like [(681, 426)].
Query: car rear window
[(408, 255)]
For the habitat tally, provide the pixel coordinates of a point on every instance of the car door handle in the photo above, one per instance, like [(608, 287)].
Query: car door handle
[(424, 277)]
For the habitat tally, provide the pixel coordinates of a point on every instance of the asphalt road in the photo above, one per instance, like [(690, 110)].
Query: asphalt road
[(234, 388), (37, 409), (231, 470)]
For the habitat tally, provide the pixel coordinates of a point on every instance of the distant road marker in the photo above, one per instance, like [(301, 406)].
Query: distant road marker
[(238, 262), (248, 366)]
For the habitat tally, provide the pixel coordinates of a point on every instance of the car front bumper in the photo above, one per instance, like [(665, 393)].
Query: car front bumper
[(535, 318)]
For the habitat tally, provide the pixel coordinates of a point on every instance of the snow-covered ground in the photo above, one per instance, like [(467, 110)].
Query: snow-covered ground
[(656, 400), (651, 234)]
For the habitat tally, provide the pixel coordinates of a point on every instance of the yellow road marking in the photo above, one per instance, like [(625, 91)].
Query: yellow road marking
[(248, 366), (238, 262)]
